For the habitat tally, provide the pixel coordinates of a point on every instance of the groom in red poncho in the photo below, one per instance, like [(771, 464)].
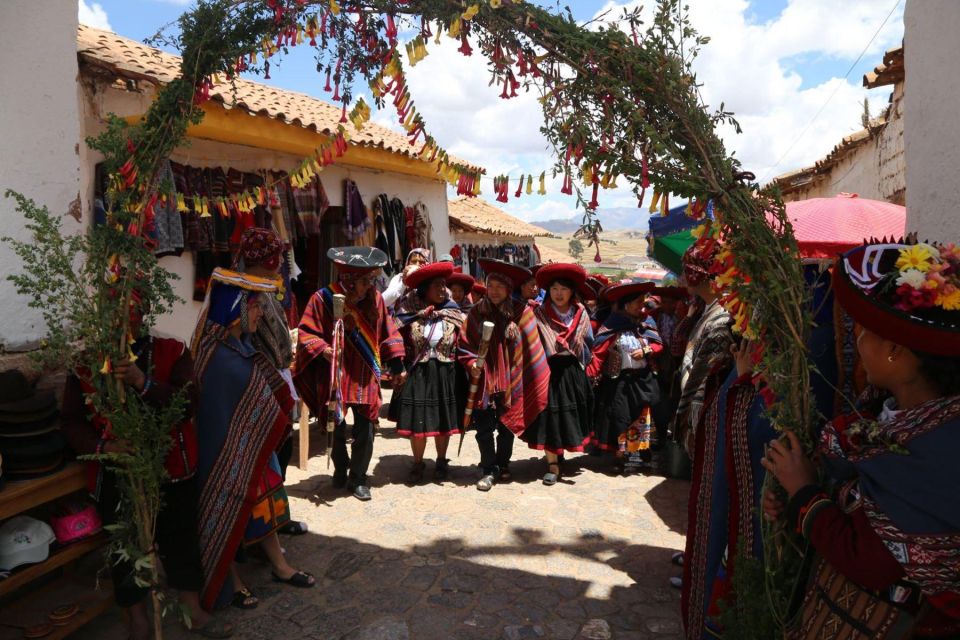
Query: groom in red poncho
[(370, 341)]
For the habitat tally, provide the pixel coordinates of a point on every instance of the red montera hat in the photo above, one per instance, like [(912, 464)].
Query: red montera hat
[(514, 272), (478, 290), (428, 272), (561, 271), (620, 291), (465, 280), (907, 294)]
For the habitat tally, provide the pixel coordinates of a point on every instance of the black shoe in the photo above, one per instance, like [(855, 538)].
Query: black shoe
[(442, 470), (505, 475), (362, 492), (339, 482), (485, 483), (416, 473)]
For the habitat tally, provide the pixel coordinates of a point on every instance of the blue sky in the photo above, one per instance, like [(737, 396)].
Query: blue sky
[(774, 62)]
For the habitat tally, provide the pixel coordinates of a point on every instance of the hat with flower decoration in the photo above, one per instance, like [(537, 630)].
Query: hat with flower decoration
[(906, 293)]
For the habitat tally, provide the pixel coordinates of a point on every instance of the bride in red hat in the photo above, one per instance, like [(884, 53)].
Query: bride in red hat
[(566, 423), (881, 508)]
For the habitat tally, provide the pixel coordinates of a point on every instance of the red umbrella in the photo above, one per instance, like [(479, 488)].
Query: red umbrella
[(825, 227)]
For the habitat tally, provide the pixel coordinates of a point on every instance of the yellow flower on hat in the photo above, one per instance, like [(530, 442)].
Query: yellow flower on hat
[(949, 301), (495, 4), (918, 257)]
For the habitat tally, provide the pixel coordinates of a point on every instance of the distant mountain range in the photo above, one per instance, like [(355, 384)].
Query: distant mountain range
[(612, 219)]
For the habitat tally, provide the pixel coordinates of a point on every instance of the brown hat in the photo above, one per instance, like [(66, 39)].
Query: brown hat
[(18, 398)]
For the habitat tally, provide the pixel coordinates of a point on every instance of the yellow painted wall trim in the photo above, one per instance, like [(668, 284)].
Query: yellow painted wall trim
[(236, 126)]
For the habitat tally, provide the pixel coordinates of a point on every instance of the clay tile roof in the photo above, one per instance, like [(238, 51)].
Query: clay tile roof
[(132, 59), (476, 214), (801, 177), (889, 72)]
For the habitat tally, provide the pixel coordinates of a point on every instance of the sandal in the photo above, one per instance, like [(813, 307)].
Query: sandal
[(242, 600), (294, 528), (300, 579), (214, 629), (551, 478)]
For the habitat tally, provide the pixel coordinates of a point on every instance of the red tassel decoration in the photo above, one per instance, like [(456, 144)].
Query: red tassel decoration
[(593, 202)]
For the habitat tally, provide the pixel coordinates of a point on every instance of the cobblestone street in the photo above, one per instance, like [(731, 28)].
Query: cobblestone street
[(588, 558)]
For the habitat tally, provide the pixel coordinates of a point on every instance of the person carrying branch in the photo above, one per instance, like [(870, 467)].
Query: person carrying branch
[(370, 341), (162, 371)]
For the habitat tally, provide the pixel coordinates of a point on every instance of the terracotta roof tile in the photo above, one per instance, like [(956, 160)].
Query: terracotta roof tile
[(890, 71), (476, 214), (133, 59)]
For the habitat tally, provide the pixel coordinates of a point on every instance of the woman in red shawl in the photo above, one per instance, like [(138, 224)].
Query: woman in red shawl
[(429, 404), (566, 424)]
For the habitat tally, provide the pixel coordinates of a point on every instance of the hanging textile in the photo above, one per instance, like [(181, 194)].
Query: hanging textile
[(357, 220), (422, 228)]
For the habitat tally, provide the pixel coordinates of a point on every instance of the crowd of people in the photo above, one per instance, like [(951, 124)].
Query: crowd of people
[(556, 339), (568, 362)]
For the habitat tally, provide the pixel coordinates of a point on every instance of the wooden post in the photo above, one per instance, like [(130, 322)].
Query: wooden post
[(304, 436)]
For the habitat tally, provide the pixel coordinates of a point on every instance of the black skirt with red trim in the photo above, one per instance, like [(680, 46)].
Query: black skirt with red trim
[(567, 422), (428, 404), (620, 401)]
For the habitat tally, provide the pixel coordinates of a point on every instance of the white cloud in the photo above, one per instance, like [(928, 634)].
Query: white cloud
[(749, 66), (93, 15)]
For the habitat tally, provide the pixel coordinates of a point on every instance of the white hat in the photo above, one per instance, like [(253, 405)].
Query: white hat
[(24, 540)]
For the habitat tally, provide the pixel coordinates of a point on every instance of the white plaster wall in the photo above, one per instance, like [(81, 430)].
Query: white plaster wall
[(857, 173), (205, 153), (40, 133), (932, 129)]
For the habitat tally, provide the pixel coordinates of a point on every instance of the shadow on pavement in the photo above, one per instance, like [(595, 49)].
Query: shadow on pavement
[(446, 591)]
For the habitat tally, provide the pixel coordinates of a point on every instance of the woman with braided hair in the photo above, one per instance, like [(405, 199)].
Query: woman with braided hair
[(242, 413)]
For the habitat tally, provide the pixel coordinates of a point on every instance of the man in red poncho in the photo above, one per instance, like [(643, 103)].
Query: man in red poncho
[(370, 341)]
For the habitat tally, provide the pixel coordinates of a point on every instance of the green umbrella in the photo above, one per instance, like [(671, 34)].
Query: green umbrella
[(669, 250)]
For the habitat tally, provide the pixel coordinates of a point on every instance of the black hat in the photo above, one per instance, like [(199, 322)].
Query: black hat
[(357, 258), (17, 396)]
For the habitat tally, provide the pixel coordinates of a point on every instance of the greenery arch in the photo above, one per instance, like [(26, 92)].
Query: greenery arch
[(620, 101)]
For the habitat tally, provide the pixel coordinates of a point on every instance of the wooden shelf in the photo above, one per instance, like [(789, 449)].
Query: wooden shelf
[(17, 497), (57, 559), (36, 606)]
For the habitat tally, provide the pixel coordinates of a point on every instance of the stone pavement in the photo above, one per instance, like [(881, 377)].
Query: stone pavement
[(588, 558)]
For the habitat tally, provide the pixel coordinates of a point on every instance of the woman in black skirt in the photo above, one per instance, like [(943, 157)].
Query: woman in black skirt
[(428, 405), (623, 351), (564, 325)]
